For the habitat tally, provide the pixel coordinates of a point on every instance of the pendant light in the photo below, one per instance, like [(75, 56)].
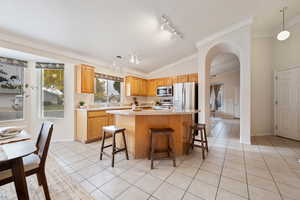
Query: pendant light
[(283, 34)]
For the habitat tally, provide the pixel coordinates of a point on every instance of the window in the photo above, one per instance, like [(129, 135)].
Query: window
[(52, 90), (107, 91), (11, 89)]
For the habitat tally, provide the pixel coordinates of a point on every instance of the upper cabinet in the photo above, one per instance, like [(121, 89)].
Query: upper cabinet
[(135, 86), (182, 79), (151, 87), (141, 87), (85, 78), (193, 77)]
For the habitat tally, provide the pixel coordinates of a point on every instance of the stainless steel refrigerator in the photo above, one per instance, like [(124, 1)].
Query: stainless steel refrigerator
[(185, 97)]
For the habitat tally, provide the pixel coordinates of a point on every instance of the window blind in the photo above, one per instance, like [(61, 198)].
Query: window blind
[(109, 77)]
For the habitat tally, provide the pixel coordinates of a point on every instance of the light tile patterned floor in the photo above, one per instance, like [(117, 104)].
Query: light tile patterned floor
[(268, 169)]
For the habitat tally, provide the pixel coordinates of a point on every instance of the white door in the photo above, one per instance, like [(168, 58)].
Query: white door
[(288, 103)]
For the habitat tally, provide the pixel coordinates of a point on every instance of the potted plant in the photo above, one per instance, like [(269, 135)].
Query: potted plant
[(81, 104)]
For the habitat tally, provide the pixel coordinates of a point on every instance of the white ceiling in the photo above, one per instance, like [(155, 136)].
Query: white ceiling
[(226, 62), (102, 29)]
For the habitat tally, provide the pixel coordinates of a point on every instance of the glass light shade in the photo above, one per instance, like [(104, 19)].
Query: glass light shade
[(283, 35)]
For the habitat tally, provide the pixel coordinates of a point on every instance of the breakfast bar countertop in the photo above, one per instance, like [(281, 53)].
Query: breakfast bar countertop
[(153, 112), (111, 108)]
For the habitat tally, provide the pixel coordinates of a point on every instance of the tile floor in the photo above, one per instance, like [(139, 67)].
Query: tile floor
[(268, 169)]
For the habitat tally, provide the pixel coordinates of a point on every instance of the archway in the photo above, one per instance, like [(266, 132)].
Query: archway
[(206, 56), (224, 80)]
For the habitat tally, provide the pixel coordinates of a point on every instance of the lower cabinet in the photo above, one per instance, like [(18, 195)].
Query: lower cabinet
[(94, 127), (89, 124)]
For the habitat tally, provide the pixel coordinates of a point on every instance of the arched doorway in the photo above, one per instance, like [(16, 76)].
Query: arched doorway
[(224, 80), (207, 55)]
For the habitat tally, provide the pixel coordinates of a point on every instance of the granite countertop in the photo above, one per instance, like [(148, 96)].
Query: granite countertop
[(111, 108), (152, 112)]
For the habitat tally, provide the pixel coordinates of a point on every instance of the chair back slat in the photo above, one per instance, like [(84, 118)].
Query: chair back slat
[(43, 141)]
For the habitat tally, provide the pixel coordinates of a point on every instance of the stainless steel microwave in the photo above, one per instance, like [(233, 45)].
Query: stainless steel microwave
[(164, 91)]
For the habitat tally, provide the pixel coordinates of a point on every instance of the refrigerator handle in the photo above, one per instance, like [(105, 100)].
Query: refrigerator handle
[(184, 97)]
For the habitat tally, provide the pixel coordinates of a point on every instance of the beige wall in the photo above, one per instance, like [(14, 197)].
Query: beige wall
[(231, 82), (287, 53), (268, 56), (262, 87)]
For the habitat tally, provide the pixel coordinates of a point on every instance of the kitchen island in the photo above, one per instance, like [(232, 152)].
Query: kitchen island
[(137, 124)]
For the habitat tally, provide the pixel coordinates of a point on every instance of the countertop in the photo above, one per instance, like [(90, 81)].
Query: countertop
[(152, 112), (111, 108)]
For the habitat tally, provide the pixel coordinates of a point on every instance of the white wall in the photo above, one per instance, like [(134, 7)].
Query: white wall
[(286, 53), (186, 65), (262, 91), (231, 82)]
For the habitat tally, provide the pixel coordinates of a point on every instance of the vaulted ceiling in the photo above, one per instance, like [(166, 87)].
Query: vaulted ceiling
[(102, 29)]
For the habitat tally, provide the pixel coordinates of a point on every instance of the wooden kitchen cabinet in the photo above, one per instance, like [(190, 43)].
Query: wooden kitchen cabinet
[(143, 87), (182, 79), (85, 75), (135, 86), (193, 78), (151, 87), (168, 81), (94, 127), (89, 124), (111, 119)]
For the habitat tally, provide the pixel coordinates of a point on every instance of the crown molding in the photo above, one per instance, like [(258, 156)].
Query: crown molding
[(182, 60), (225, 31)]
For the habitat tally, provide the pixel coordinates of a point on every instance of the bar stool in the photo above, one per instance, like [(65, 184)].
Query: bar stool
[(195, 129), (113, 130), (168, 132)]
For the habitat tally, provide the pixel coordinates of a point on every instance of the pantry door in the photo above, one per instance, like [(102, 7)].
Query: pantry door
[(288, 104)]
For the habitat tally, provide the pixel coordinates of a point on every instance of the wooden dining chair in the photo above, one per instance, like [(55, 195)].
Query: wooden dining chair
[(34, 163)]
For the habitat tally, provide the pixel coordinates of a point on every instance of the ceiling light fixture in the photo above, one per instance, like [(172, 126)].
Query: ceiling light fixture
[(116, 64), (167, 25), (134, 59), (283, 34)]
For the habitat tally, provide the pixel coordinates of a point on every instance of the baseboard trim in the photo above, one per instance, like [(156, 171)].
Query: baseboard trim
[(264, 134), (64, 140)]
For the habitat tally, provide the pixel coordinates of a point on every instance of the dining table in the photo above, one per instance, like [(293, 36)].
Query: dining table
[(12, 152)]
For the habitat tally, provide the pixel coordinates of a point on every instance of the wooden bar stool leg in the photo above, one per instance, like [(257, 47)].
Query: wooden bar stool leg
[(171, 143), (125, 145), (202, 144), (150, 146), (152, 150), (206, 142), (102, 144), (193, 140), (169, 146), (113, 150), (190, 132)]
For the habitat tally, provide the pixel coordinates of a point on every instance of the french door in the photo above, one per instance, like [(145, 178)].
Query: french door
[(287, 105)]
